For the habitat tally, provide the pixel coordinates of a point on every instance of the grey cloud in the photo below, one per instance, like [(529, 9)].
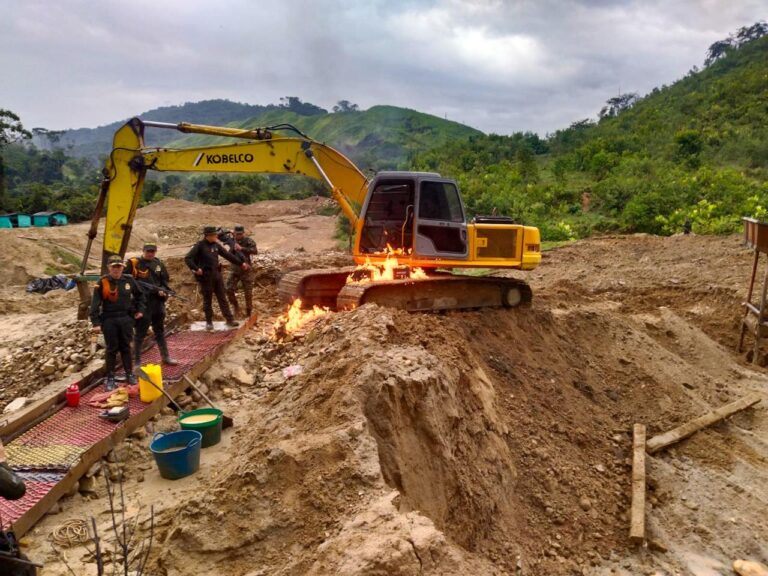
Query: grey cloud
[(499, 66)]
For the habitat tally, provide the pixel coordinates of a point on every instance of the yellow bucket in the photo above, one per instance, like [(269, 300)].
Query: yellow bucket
[(147, 392)]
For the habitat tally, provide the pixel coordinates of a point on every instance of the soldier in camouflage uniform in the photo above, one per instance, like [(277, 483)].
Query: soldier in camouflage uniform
[(245, 247), (117, 303), (153, 280)]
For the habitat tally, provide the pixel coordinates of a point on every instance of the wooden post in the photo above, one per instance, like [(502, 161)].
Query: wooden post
[(756, 352), (637, 522), (749, 299), (675, 435)]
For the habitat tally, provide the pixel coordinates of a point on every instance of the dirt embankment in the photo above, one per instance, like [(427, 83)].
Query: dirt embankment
[(478, 442), (485, 442)]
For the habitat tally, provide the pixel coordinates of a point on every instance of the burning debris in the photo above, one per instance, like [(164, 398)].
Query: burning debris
[(295, 319), (390, 269)]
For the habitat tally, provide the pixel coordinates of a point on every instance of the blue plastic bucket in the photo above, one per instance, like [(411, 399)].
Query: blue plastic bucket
[(177, 454)]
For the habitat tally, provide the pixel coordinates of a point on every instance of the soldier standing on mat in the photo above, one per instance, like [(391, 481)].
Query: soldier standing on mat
[(117, 302), (245, 247), (150, 270), (203, 260)]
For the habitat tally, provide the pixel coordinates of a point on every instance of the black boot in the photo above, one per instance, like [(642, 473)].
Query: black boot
[(163, 346), (137, 352), (11, 485), (232, 297)]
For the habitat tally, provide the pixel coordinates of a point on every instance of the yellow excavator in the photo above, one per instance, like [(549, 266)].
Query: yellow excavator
[(416, 217)]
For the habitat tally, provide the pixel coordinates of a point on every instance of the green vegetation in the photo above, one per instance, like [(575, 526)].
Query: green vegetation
[(380, 138)]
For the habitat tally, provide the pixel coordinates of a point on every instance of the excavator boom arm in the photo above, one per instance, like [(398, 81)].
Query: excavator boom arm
[(261, 154)]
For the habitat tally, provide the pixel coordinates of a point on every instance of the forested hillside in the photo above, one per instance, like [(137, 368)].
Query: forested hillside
[(61, 170), (696, 150), (382, 137), (93, 143)]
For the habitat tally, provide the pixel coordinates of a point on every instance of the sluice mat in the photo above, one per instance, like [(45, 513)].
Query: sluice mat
[(76, 427), (44, 453), (51, 457), (38, 485), (188, 348)]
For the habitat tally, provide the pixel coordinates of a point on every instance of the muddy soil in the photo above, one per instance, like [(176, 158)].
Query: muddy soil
[(481, 442)]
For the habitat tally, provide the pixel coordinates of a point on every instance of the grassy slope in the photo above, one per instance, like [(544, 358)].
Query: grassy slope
[(380, 137)]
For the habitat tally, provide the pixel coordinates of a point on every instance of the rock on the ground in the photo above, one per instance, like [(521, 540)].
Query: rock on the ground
[(17, 404)]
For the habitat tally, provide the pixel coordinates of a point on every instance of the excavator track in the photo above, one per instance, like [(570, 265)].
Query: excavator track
[(440, 292), (319, 287)]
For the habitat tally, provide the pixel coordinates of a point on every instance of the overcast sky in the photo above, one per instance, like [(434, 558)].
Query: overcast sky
[(500, 66)]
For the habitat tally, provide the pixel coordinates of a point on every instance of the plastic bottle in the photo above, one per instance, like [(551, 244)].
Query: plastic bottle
[(73, 395)]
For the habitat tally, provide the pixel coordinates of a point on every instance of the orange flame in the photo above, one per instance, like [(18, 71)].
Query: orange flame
[(296, 318), (383, 271)]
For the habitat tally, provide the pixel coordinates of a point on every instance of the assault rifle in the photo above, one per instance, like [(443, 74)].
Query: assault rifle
[(152, 289)]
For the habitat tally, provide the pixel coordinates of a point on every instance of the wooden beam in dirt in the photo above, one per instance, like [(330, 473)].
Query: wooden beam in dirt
[(747, 568), (100, 449), (661, 441), (637, 518)]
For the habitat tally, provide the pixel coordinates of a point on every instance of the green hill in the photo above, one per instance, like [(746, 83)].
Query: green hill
[(381, 137), (92, 143), (61, 171)]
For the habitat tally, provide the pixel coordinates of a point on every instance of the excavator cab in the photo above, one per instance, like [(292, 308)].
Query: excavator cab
[(388, 216), (441, 227), (419, 213)]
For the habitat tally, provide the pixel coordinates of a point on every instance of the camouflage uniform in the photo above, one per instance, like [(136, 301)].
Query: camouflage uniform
[(238, 275)]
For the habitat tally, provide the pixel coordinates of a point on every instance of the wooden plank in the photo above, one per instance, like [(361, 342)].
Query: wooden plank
[(101, 448), (637, 521), (749, 568), (676, 434)]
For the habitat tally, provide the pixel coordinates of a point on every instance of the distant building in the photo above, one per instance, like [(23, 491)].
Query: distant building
[(49, 218), (15, 220)]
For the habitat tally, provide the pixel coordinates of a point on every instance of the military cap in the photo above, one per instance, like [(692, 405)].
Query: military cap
[(239, 228), (209, 230), (115, 260), (150, 246)]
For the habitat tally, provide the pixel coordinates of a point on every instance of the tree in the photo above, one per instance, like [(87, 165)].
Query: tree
[(718, 50), (345, 106), (750, 33), (294, 104), (11, 130), (529, 172), (689, 146), (614, 106), (53, 136)]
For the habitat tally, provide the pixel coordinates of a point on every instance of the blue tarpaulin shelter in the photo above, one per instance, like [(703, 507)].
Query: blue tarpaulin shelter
[(49, 218), (20, 220)]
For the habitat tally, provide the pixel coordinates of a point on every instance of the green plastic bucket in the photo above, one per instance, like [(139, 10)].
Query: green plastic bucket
[(209, 427)]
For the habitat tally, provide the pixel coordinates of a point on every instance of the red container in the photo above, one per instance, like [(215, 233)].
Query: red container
[(73, 396)]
